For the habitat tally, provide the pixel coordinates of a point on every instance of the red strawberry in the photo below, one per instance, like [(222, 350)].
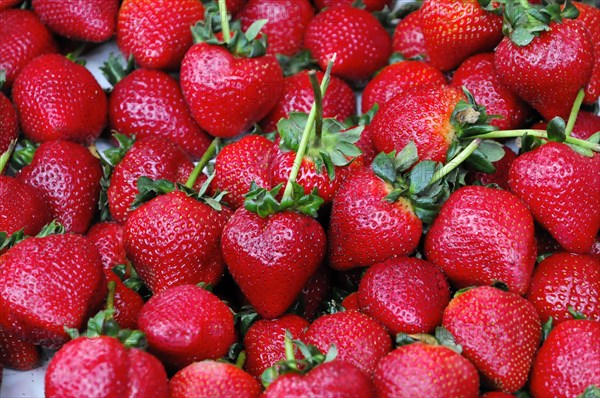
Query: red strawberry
[(24, 38), (396, 78), (500, 176), (4, 4), (59, 99), (586, 125), (213, 379), (369, 5), (17, 354), (550, 180), (483, 235), (455, 29), (566, 280), (49, 283), (590, 18), (287, 21), (497, 394), (67, 176), (314, 293), (351, 302), (408, 37), (89, 20), (423, 370), (568, 362), (9, 124), (157, 33), (499, 333), (186, 324), (21, 207), (406, 295), (361, 44)]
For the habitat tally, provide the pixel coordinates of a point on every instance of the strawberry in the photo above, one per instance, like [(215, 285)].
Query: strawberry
[(4, 4), (568, 362), (408, 37), (24, 37), (362, 45), (287, 21), (500, 176), (213, 379), (186, 324), (9, 124), (157, 33), (406, 295), (57, 99), (21, 207), (497, 394), (566, 280), (351, 302), (499, 333), (549, 180), (586, 125), (314, 293), (369, 5), (17, 354), (455, 29), (590, 18), (495, 242), (90, 20)]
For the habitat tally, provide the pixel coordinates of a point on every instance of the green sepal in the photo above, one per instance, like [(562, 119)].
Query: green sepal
[(130, 278), (291, 65), (582, 151), (52, 228), (522, 394), (462, 291), (23, 156), (441, 337), (235, 355), (7, 241), (150, 189), (591, 392), (206, 286), (594, 138), (500, 285), (469, 118), (389, 17), (529, 143), (245, 318), (74, 57), (445, 338), (264, 202), (547, 328), (2, 78), (403, 339), (575, 314), (113, 69), (109, 159), (363, 120), (556, 130)]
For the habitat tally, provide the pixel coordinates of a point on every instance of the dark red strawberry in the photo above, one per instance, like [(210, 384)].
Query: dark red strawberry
[(351, 302), (566, 280), (586, 125), (497, 394), (406, 295), (157, 33), (9, 124), (550, 180), (21, 207), (500, 176), (58, 99), (590, 18), (24, 38), (568, 362), (18, 354), (369, 5), (186, 324), (314, 293), (87, 20), (499, 333), (408, 37), (4, 4)]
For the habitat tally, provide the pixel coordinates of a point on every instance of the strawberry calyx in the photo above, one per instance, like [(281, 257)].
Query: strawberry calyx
[(5, 157), (363, 120), (109, 160), (264, 202), (113, 69), (23, 155), (591, 391), (130, 278), (2, 78), (441, 337), (7, 241), (290, 65)]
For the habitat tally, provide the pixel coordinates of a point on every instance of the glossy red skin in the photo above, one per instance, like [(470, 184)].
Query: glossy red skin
[(406, 295), (187, 324), (16, 353), (149, 103), (419, 115), (174, 240), (264, 342), (530, 71), (339, 101), (568, 362), (24, 37), (396, 78), (155, 158), (351, 302), (478, 75), (157, 32), (228, 94), (127, 303), (241, 163), (370, 5), (362, 45), (408, 37), (360, 340), (483, 235), (88, 20), (555, 182), (57, 99), (103, 367), (108, 237), (21, 207), (566, 280), (454, 30), (67, 176), (586, 125), (213, 379), (590, 17), (336, 379), (314, 293), (47, 284), (500, 176), (364, 229), (365, 144), (272, 258), (287, 22), (421, 370), (499, 332), (9, 124)]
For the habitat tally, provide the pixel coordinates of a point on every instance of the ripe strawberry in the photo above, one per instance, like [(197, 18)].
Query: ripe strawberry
[(24, 38), (213, 379), (500, 176), (549, 180), (586, 125), (406, 295), (362, 45), (21, 207), (454, 30), (88, 20), (314, 293), (287, 21), (186, 324), (369, 5), (590, 18), (351, 302), (497, 394), (9, 124), (423, 370), (568, 362), (17, 354), (566, 280), (483, 235), (49, 283), (408, 37), (57, 99), (157, 33), (4, 4), (499, 333)]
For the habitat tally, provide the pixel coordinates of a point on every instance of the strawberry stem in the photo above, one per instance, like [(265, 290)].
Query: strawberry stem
[(456, 161), (6, 155), (539, 134), (574, 112), (289, 350), (224, 21), (110, 298), (319, 105), (241, 359), (208, 154)]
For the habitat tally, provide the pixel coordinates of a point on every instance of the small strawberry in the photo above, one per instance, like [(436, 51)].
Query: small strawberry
[(21, 207), (586, 125), (9, 124), (18, 354), (500, 176), (408, 37), (351, 302), (590, 18)]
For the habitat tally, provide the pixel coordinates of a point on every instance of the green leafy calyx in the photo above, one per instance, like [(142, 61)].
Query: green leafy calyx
[(264, 202)]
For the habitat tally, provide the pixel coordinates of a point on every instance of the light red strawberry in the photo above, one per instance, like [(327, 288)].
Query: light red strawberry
[(408, 37)]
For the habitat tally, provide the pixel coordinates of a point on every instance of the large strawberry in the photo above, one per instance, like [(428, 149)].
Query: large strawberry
[(408, 37), (58, 99), (590, 17), (9, 124)]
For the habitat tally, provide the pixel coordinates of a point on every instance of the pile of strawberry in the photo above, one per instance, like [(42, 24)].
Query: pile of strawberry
[(247, 234)]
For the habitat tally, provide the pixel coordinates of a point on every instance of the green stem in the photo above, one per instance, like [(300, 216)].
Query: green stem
[(224, 21), (540, 134), (319, 105), (289, 350), (241, 359), (110, 298), (210, 151), (574, 112), (6, 156), (454, 163)]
